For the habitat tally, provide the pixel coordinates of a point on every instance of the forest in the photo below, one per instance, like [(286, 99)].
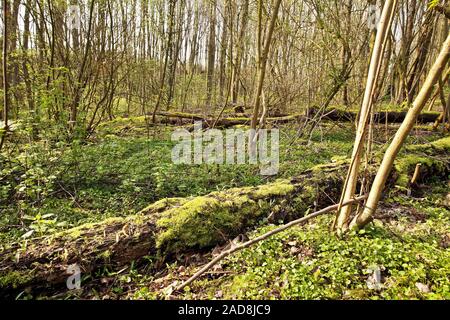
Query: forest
[(225, 150)]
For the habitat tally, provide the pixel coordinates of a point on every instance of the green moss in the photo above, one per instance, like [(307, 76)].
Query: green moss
[(119, 124), (105, 255), (13, 279), (163, 204), (443, 143), (186, 115), (76, 232), (280, 188), (122, 122), (321, 168), (191, 224), (219, 216), (438, 145), (406, 163), (204, 221), (241, 126)]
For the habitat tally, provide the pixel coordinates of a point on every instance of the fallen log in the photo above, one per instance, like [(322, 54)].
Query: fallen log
[(181, 117), (334, 114), (179, 225), (331, 114), (166, 227)]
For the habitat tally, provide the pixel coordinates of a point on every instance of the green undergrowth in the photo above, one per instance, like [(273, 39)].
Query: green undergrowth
[(408, 242), (50, 186), (47, 187), (309, 262)]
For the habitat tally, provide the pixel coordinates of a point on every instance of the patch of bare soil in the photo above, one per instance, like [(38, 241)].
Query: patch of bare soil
[(445, 241), (391, 212)]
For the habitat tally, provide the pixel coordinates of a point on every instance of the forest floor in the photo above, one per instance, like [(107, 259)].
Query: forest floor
[(49, 186)]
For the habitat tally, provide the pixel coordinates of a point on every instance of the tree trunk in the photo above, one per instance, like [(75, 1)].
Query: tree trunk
[(194, 40), (391, 153), (239, 53), (223, 50), (211, 54), (4, 130), (166, 59), (374, 69), (405, 50), (262, 65)]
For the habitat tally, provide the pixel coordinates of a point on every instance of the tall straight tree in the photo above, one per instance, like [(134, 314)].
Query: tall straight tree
[(235, 77), (348, 191), (223, 49), (262, 63), (391, 153), (171, 18), (211, 53), (5, 73)]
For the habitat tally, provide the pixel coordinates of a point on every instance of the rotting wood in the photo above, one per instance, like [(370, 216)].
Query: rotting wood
[(331, 114)]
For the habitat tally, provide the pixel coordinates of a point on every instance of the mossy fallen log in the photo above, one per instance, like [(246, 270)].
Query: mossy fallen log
[(336, 114), (226, 122), (331, 114), (179, 225), (163, 228)]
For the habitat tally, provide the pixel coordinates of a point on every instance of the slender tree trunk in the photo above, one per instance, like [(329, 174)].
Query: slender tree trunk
[(194, 41), (13, 34), (405, 50), (211, 53), (262, 65), (375, 64), (26, 75), (346, 52), (174, 54), (419, 64), (391, 153), (172, 4), (75, 33), (81, 83), (4, 132), (239, 53), (223, 51)]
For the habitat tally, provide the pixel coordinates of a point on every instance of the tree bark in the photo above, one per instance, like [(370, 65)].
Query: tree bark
[(391, 153), (374, 69), (211, 54), (166, 58), (223, 50), (4, 130), (262, 65), (235, 77)]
